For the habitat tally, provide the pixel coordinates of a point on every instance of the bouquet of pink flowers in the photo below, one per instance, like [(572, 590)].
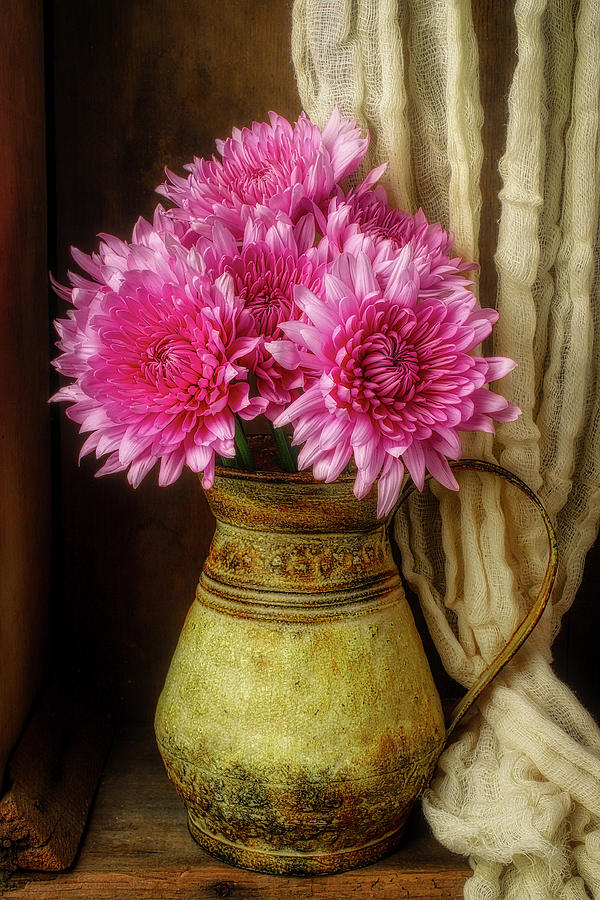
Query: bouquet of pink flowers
[(269, 290)]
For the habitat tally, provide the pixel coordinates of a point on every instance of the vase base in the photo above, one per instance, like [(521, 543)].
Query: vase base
[(281, 863)]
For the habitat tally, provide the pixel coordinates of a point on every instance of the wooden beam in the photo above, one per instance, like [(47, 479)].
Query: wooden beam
[(24, 415), (53, 776)]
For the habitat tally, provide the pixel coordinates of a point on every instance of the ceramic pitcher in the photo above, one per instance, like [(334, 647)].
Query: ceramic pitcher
[(299, 719)]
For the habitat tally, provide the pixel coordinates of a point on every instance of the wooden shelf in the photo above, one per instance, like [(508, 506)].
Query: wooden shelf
[(137, 846)]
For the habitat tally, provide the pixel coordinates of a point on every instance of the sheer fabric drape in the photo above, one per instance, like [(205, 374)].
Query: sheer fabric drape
[(518, 790)]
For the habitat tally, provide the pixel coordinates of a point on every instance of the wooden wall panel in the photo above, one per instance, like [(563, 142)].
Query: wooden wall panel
[(140, 85), (575, 650), (24, 429), (496, 39)]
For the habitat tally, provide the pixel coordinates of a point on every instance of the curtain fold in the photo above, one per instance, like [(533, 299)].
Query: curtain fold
[(518, 790)]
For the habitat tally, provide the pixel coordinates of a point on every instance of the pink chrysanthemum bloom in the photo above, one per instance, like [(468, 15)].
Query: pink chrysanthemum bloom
[(272, 259), (285, 167), (397, 378), (157, 353), (363, 221), (78, 337)]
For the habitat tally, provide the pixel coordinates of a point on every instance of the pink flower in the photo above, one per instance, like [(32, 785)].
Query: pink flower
[(157, 353), (285, 167), (78, 336), (396, 378), (266, 266), (364, 222)]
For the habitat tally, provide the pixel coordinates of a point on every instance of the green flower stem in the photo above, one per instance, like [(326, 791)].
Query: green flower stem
[(243, 452), (288, 455), (229, 461)]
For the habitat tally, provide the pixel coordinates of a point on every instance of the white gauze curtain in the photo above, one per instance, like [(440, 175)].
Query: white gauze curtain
[(518, 789)]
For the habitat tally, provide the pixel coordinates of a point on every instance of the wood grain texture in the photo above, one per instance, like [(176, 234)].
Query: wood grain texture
[(53, 775), (496, 39), (138, 846), (24, 419), (142, 85)]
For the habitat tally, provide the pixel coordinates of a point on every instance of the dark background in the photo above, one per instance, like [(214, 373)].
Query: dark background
[(99, 96)]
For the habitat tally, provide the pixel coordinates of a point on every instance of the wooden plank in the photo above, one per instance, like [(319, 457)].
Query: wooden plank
[(24, 417), (139, 86), (53, 776), (137, 846), (496, 38)]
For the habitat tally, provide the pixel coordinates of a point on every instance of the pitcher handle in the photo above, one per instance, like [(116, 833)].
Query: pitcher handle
[(523, 631)]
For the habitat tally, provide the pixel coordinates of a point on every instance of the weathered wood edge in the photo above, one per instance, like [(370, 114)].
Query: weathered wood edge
[(52, 778)]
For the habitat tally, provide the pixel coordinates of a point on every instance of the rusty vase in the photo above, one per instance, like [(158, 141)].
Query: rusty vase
[(299, 719)]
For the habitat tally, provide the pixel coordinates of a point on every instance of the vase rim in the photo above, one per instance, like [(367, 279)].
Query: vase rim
[(277, 475)]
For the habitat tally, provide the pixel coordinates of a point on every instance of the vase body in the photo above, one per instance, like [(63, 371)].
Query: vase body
[(299, 719)]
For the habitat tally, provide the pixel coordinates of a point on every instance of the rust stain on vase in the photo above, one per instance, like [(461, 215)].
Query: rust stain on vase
[(299, 719)]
